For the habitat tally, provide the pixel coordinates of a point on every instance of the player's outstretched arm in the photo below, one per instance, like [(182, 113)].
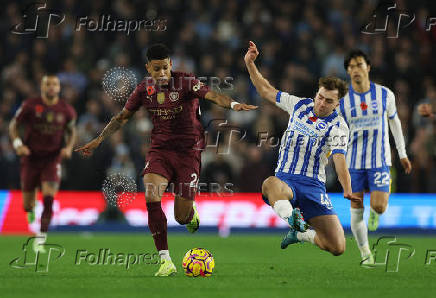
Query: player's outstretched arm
[(70, 137), (262, 85), (227, 102), (17, 143), (344, 176), (116, 123)]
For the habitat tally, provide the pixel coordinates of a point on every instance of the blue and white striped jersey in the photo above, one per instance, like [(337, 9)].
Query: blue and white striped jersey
[(367, 117), (309, 140)]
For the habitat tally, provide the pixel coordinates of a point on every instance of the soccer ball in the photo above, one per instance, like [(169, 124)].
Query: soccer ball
[(198, 262)]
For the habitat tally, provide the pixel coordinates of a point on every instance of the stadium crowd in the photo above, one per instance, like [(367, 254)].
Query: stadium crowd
[(299, 41)]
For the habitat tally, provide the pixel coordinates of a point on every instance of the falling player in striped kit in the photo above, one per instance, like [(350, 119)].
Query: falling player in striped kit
[(369, 109), (315, 130)]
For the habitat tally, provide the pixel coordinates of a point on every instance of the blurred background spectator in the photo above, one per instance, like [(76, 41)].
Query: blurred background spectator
[(299, 41)]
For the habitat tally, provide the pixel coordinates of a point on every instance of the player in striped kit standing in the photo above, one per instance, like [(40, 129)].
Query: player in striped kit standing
[(315, 130), (369, 109)]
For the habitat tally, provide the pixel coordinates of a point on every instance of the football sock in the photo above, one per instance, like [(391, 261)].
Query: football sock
[(308, 236), (42, 235), (157, 223), (360, 231), (164, 255), (46, 213), (283, 208)]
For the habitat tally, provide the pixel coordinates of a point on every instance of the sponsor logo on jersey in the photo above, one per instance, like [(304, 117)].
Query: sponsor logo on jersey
[(161, 97), (174, 96), (365, 122), (303, 129)]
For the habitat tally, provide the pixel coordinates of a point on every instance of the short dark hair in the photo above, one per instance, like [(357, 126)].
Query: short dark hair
[(334, 83), (354, 54), (157, 51)]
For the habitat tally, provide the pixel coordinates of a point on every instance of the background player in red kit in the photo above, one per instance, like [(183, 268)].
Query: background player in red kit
[(48, 136), (172, 100)]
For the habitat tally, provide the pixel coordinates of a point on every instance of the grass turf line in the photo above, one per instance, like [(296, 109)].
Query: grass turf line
[(246, 266)]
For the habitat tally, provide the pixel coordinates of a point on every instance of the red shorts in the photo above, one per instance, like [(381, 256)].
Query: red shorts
[(181, 169), (34, 171)]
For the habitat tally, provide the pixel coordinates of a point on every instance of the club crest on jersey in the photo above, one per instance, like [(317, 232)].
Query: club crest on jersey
[(321, 125), (174, 96), (374, 105), (161, 97), (49, 116), (38, 110)]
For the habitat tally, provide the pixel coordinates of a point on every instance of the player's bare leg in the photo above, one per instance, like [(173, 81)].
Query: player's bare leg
[(379, 203), (279, 195), (29, 198), (155, 186), (359, 229), (49, 190), (185, 213), (328, 234)]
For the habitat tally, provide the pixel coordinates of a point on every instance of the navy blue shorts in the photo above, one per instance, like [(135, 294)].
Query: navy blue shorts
[(371, 179), (309, 195)]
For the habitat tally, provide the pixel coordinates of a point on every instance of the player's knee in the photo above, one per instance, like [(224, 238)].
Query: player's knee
[(183, 220), (28, 207), (267, 184), (337, 248), (379, 207)]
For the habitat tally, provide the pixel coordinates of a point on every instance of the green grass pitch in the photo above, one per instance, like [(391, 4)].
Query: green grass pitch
[(247, 265)]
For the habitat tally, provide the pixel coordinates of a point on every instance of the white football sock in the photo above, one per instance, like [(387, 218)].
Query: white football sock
[(164, 255), (41, 237), (360, 231), (308, 236), (283, 208)]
